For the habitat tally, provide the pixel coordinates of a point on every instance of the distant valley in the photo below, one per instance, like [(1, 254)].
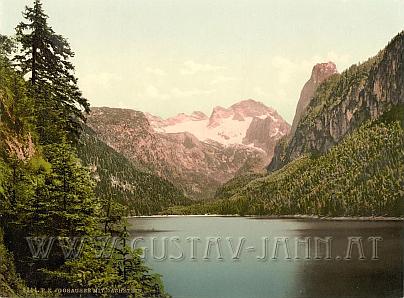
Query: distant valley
[(195, 152)]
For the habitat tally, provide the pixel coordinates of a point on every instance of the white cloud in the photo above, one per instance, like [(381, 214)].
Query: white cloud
[(155, 71), (223, 79), (102, 80), (286, 68), (153, 92), (259, 91), (178, 93), (190, 68), (342, 60)]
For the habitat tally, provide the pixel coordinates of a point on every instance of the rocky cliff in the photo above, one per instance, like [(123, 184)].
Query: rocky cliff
[(343, 102), (319, 74), (264, 133)]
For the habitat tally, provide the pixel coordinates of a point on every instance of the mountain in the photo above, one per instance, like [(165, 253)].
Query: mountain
[(261, 130), (119, 180), (158, 122), (319, 74), (247, 122), (361, 176), (264, 133), (343, 102), (346, 156), (198, 167)]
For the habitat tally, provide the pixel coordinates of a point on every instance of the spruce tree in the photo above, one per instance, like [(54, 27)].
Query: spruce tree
[(45, 57)]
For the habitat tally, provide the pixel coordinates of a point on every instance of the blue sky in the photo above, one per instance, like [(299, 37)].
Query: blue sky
[(171, 56)]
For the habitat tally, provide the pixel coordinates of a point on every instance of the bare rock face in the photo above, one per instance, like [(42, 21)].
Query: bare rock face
[(16, 144), (265, 132), (320, 73), (219, 113)]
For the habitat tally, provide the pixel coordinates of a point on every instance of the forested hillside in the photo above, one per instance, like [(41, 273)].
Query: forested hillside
[(347, 156), (45, 191), (361, 176), (119, 181)]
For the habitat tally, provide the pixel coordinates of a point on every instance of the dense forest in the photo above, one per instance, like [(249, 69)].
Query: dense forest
[(45, 190)]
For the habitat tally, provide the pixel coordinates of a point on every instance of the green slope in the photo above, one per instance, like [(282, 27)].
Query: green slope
[(118, 179)]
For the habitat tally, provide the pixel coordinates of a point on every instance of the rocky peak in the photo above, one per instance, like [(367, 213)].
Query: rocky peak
[(116, 115), (247, 123), (323, 71), (117, 121), (320, 73), (218, 113), (239, 111), (198, 115), (375, 87), (250, 106), (158, 122), (264, 133), (182, 117)]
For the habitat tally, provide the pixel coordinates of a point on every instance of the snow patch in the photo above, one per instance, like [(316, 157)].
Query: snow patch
[(228, 132)]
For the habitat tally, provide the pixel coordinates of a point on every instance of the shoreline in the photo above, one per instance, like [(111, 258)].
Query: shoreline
[(303, 217)]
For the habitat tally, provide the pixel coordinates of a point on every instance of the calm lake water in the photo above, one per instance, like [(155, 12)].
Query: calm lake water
[(255, 257)]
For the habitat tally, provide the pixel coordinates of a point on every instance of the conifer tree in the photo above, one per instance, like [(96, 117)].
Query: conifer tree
[(45, 57)]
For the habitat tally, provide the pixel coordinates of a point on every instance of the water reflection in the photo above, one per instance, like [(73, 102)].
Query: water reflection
[(368, 277), (211, 269)]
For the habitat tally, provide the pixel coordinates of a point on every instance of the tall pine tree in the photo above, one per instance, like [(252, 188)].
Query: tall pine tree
[(45, 57)]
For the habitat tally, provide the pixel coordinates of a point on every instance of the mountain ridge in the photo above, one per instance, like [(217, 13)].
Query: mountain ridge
[(178, 157), (230, 125)]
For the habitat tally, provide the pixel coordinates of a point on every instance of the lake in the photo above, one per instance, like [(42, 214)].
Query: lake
[(234, 257)]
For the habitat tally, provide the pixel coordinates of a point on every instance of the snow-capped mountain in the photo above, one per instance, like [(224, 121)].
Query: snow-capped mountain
[(193, 151), (197, 167), (228, 126)]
